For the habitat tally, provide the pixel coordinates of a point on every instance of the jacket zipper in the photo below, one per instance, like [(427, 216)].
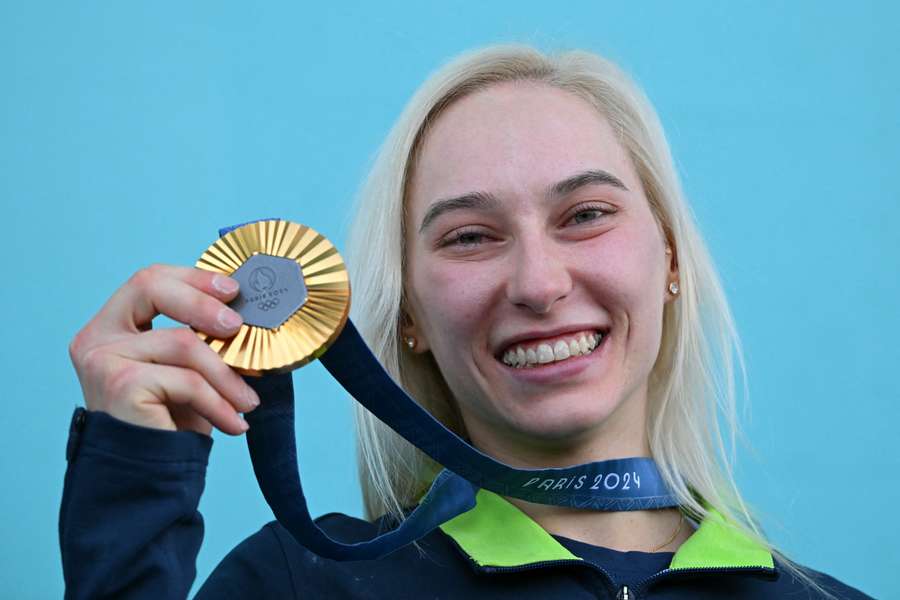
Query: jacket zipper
[(635, 592), (610, 584)]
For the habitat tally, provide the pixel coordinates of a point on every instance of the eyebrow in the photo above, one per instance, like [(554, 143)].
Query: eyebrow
[(484, 201), (591, 177)]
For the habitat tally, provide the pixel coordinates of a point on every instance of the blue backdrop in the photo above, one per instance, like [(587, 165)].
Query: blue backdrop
[(130, 131)]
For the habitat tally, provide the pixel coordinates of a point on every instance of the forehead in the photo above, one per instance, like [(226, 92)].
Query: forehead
[(515, 137)]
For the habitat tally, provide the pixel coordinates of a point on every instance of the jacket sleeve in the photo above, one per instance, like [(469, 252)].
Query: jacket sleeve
[(128, 524)]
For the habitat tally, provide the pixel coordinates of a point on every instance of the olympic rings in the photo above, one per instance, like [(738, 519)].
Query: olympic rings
[(268, 304)]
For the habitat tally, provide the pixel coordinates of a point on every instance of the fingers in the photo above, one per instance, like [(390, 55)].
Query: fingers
[(188, 295), (185, 388), (181, 347)]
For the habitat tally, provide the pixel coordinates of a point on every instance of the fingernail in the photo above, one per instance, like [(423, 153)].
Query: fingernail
[(251, 397), (244, 426), (226, 285), (229, 319)]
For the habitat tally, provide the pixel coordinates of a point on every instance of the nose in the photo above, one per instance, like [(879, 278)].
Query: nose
[(539, 275)]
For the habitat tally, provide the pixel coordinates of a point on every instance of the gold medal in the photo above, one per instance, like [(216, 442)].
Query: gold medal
[(294, 295)]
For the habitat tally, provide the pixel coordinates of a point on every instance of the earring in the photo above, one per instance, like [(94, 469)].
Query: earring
[(410, 342), (673, 287)]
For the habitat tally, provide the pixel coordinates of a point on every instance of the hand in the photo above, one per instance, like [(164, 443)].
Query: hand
[(164, 378)]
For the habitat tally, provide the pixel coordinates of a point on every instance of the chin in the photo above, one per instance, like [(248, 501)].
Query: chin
[(554, 426)]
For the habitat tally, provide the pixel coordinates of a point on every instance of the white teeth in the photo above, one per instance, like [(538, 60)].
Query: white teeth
[(583, 344), (560, 350), (520, 357), (544, 353), (574, 348)]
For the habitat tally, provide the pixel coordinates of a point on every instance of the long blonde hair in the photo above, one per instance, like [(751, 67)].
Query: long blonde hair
[(693, 382)]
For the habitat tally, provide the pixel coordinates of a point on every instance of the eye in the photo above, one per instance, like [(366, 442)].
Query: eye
[(589, 213), (466, 238)]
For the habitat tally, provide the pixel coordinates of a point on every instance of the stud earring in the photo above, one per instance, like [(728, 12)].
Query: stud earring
[(673, 287), (410, 342)]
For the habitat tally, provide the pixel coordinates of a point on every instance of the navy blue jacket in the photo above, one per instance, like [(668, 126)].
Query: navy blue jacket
[(129, 528)]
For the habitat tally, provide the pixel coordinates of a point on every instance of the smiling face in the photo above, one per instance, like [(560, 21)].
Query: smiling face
[(529, 237)]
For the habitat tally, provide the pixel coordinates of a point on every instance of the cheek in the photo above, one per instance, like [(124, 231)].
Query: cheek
[(452, 299), (628, 274)]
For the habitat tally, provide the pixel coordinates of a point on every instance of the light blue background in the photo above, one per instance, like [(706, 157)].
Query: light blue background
[(130, 131)]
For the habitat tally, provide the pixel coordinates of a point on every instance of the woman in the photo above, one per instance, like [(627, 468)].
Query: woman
[(524, 236)]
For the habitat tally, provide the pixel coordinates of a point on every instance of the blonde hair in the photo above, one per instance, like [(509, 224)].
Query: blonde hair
[(692, 384)]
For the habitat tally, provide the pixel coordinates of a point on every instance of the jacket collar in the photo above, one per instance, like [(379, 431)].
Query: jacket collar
[(497, 534)]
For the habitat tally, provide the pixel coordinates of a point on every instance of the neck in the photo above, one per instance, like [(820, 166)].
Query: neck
[(640, 530), (621, 435)]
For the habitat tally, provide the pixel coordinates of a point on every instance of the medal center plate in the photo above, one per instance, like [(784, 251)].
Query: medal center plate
[(272, 289)]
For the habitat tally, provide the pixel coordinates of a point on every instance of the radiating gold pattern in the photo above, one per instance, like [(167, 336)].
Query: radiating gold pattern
[(308, 332)]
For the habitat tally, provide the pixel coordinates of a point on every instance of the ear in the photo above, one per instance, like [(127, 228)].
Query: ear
[(409, 330)]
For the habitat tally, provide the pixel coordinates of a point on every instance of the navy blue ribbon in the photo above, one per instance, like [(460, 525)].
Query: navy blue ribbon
[(271, 440), (612, 485)]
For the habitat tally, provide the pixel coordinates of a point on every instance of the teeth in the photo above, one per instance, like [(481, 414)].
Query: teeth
[(574, 348), (560, 350), (520, 357), (544, 353)]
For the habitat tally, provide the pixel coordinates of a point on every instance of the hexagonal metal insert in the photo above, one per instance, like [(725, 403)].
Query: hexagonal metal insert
[(272, 289)]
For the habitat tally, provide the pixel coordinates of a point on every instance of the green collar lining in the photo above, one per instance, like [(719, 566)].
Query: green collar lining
[(497, 534)]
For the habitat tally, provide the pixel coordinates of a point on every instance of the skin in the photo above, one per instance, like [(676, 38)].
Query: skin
[(531, 263)]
